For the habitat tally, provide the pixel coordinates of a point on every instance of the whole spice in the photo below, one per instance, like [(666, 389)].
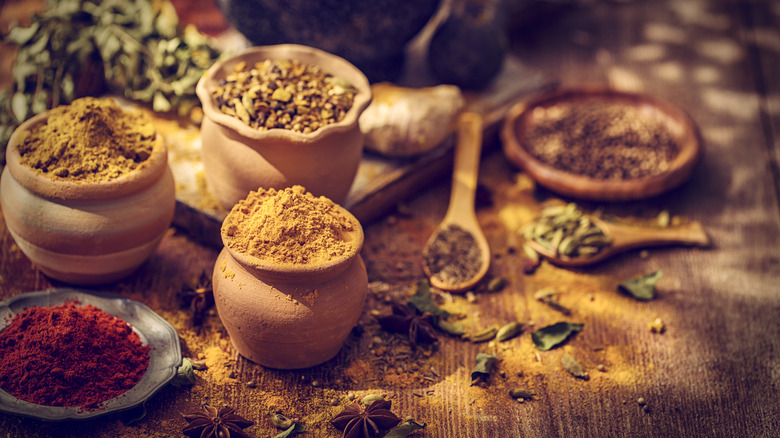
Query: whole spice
[(70, 355), (453, 256), (284, 94), (419, 327), (87, 141), (601, 140), (210, 422), (356, 422), (198, 299), (566, 231), (289, 226)]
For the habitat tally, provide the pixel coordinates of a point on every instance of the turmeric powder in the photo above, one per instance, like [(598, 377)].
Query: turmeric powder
[(89, 140)]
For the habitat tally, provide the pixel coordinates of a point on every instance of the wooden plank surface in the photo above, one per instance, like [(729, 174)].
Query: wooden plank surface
[(715, 371)]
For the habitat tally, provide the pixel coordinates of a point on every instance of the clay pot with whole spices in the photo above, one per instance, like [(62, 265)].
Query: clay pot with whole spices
[(290, 284), (87, 194), (277, 116)]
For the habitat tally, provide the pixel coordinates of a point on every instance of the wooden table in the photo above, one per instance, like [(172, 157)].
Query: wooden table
[(714, 372)]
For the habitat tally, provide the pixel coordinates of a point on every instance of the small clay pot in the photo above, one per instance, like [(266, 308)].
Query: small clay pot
[(290, 316), (238, 159), (87, 233)]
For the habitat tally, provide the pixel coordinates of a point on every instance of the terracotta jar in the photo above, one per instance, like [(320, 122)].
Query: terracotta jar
[(290, 316), (86, 233), (238, 158)]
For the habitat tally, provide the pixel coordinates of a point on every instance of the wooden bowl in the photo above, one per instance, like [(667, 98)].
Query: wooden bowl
[(520, 120)]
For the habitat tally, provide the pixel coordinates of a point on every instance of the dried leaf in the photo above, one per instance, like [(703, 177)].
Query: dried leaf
[(293, 430), (483, 367), (20, 106), (404, 429), (422, 300), (642, 288), (551, 336), (572, 366), (21, 35)]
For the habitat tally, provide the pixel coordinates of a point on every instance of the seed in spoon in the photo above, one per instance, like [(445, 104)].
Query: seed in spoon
[(453, 256)]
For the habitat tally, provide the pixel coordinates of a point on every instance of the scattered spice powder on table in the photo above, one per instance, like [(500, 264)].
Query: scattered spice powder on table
[(601, 140), (89, 140), (70, 355), (289, 226)]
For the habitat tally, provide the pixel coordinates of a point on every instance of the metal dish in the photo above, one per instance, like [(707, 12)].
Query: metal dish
[(520, 120), (154, 331)]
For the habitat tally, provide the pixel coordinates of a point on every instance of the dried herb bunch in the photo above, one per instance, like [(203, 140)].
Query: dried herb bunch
[(76, 48), (602, 140), (285, 94)]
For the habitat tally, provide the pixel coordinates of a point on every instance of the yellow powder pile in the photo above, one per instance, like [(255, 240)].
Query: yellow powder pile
[(89, 140), (289, 226)]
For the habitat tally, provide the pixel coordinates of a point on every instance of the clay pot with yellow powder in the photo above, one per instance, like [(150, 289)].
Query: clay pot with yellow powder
[(290, 284), (239, 155), (93, 222)]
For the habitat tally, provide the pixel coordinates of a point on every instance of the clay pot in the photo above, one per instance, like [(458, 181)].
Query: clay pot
[(290, 316), (238, 159), (86, 233)]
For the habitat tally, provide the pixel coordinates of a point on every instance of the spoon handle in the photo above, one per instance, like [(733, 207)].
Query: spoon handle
[(628, 236), (466, 166)]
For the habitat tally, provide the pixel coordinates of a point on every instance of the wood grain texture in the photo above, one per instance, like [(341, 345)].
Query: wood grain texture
[(715, 372)]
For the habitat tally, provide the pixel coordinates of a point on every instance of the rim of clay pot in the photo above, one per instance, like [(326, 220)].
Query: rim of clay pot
[(330, 63), (37, 182), (292, 270)]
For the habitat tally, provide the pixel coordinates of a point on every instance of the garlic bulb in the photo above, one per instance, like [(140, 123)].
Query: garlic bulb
[(403, 121)]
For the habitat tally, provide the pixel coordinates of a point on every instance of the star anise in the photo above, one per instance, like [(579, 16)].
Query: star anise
[(199, 299), (406, 320), (218, 423), (356, 422)]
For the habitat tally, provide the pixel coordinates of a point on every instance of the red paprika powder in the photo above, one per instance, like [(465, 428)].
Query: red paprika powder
[(70, 355)]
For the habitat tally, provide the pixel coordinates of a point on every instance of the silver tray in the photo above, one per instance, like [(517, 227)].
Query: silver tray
[(154, 331)]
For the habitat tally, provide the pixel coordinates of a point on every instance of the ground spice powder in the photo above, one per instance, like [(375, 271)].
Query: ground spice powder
[(70, 355), (89, 140), (289, 226), (608, 141)]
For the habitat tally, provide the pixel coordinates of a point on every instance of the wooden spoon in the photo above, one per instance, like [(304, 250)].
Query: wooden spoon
[(625, 237), (460, 212)]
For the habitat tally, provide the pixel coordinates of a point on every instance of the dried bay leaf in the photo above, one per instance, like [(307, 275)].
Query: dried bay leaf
[(422, 300), (21, 35), (20, 106), (571, 365), (484, 365), (404, 429), (551, 336), (642, 288)]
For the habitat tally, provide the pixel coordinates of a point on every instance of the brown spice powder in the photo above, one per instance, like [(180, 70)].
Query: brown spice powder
[(289, 226), (608, 141), (89, 140)]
